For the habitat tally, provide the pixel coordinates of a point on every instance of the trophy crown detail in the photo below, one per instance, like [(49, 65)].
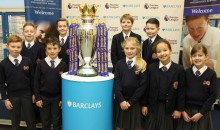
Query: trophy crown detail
[(87, 12)]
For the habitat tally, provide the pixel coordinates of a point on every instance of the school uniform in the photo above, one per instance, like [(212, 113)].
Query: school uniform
[(117, 52), (48, 89), (16, 82), (164, 94), (201, 93), (128, 86), (34, 51), (148, 53), (63, 54)]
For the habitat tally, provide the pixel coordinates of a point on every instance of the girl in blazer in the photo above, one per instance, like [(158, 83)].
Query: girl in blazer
[(129, 86), (201, 92), (165, 91)]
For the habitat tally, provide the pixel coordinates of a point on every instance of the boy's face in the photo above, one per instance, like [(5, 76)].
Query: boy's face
[(29, 33), (52, 50), (14, 48), (62, 28), (151, 30), (126, 25), (199, 59), (197, 28)]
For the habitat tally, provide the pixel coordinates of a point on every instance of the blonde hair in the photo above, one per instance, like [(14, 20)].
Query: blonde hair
[(141, 65), (127, 17)]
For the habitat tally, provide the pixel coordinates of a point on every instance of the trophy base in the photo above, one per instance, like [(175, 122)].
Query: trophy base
[(87, 71)]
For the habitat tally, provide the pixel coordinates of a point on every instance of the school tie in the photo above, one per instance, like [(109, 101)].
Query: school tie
[(197, 73), (52, 64), (164, 68), (28, 46), (150, 41), (129, 62), (16, 62), (126, 37), (62, 42)]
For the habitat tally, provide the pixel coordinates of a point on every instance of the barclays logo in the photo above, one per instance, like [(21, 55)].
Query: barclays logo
[(111, 17), (148, 17), (131, 5), (170, 29), (95, 105), (171, 6)]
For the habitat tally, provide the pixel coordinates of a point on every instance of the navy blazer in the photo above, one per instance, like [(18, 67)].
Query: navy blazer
[(63, 53), (117, 52), (176, 93), (147, 50)]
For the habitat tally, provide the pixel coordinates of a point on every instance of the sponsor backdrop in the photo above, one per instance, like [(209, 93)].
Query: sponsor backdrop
[(204, 7), (169, 13)]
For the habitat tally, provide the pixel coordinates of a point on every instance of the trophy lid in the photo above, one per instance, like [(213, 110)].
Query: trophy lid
[(88, 12)]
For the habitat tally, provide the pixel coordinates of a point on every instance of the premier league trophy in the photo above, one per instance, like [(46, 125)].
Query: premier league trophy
[(86, 40)]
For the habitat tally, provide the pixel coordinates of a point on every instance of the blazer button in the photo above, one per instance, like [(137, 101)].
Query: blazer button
[(166, 100), (167, 94)]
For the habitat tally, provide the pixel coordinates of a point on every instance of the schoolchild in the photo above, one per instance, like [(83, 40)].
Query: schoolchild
[(62, 27), (152, 30), (16, 84), (163, 100), (31, 49), (201, 92), (48, 85), (116, 50), (129, 86)]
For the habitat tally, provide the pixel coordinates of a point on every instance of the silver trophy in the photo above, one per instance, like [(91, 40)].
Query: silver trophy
[(87, 41)]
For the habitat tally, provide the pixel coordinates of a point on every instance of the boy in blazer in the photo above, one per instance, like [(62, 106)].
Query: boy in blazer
[(62, 27), (152, 29), (117, 52)]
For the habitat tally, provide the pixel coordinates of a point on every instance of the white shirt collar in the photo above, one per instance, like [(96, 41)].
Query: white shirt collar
[(167, 65), (57, 60), (126, 35), (12, 59), (153, 38), (65, 37), (202, 70), (133, 59), (26, 43)]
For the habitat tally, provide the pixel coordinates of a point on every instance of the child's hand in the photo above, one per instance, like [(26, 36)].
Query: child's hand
[(39, 103), (144, 111), (123, 105), (186, 117), (33, 99), (8, 104), (128, 104), (196, 117), (60, 104), (176, 114)]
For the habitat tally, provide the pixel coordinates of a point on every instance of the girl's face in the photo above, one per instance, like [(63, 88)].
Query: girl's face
[(29, 33), (199, 59), (130, 50), (126, 24), (163, 53), (52, 50)]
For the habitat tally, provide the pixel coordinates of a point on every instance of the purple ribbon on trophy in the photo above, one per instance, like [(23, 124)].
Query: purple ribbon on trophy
[(102, 49), (73, 49)]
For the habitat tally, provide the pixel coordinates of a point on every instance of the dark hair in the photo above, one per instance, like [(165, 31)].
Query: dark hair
[(62, 19), (127, 16), (153, 21), (197, 47), (162, 41), (52, 40), (14, 38), (189, 18)]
